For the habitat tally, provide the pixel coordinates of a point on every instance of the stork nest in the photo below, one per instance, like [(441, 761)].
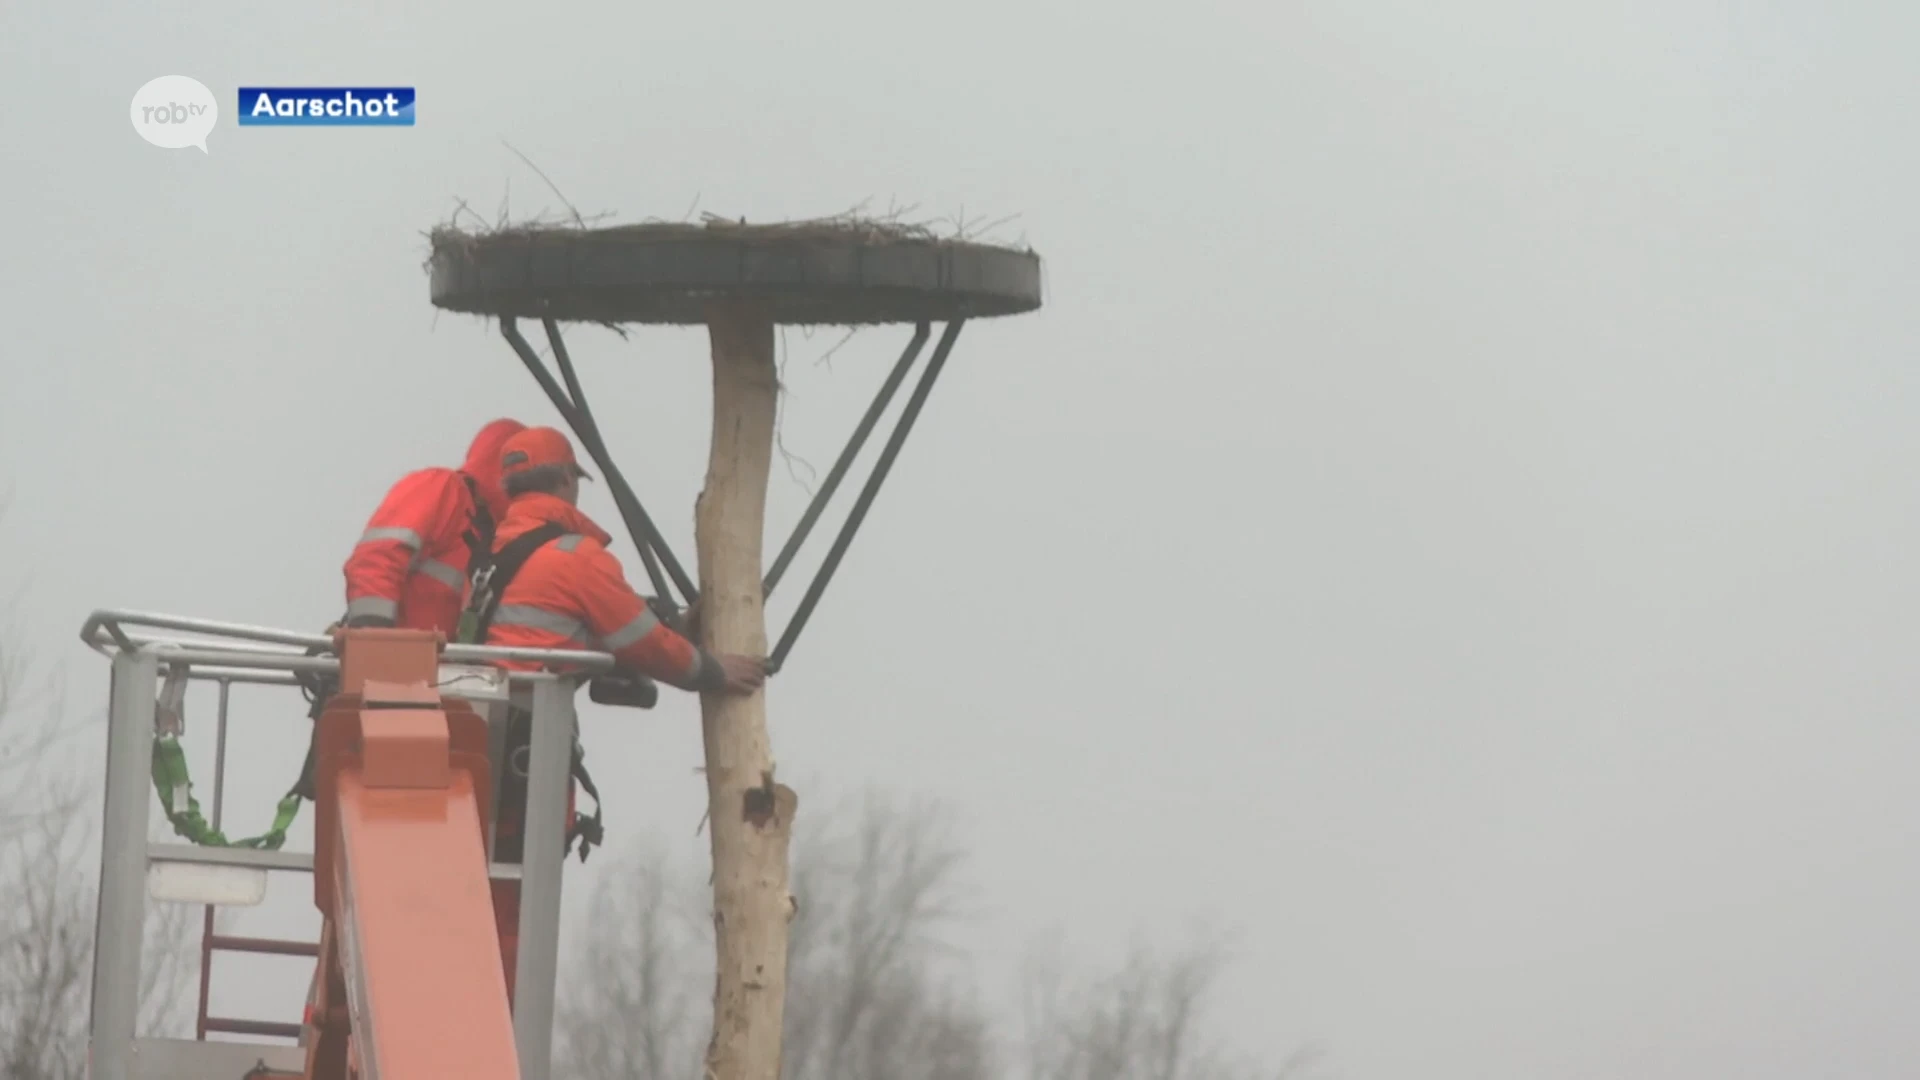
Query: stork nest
[(841, 270), (848, 228)]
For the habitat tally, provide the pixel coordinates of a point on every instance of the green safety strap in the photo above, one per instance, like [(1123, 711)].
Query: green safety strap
[(175, 789)]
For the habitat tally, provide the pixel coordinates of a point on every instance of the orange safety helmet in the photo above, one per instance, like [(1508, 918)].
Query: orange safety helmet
[(538, 447)]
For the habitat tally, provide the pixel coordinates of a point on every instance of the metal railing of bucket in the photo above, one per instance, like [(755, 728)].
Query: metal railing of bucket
[(144, 645)]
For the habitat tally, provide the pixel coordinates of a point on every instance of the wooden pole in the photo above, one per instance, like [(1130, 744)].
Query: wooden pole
[(750, 818)]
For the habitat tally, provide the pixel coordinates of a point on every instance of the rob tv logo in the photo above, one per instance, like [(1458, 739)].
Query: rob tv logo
[(175, 112)]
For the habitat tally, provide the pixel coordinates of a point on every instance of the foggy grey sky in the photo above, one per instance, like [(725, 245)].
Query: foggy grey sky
[(1453, 519)]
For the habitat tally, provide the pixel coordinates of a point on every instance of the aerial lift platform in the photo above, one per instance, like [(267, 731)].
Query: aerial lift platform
[(409, 981)]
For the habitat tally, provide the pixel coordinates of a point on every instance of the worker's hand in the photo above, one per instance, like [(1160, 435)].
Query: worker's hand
[(743, 674)]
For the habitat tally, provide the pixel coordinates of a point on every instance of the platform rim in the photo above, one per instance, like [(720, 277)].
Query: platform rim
[(659, 273)]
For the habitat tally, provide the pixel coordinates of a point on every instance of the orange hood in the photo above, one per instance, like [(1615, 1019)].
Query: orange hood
[(483, 463)]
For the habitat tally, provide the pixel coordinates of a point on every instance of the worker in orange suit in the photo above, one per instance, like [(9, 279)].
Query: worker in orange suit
[(570, 592), (409, 569), (555, 585)]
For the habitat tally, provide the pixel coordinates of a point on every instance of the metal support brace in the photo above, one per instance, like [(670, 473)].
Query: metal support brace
[(615, 480), (881, 400), (646, 536), (867, 493), (550, 757), (572, 405), (121, 908)]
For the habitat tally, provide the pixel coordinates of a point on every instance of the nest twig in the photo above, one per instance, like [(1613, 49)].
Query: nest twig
[(852, 229), (469, 237)]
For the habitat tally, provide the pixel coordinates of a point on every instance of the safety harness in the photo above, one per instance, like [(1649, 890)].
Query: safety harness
[(491, 573), (478, 538), (490, 576)]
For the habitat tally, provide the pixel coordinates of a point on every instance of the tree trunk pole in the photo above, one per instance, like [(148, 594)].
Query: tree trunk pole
[(750, 818)]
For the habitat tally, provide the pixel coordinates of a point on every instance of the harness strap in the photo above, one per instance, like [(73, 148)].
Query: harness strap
[(590, 831), (479, 534), (491, 576), (318, 687), (492, 573)]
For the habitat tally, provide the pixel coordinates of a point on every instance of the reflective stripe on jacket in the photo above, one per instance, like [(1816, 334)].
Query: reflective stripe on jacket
[(411, 562), (572, 594)]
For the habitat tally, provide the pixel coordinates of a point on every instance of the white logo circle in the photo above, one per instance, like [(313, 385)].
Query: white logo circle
[(175, 112)]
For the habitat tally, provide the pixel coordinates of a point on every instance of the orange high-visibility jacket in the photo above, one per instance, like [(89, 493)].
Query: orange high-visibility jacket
[(410, 565), (571, 594)]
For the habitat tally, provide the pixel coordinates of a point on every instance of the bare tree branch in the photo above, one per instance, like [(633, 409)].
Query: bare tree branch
[(866, 998), (863, 975), (47, 902), (48, 874), (1145, 1020), (873, 993), (30, 736), (633, 1005)]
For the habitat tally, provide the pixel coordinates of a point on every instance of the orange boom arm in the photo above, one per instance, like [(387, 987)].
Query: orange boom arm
[(411, 985)]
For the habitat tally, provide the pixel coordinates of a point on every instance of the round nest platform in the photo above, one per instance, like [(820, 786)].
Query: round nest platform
[(837, 272)]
